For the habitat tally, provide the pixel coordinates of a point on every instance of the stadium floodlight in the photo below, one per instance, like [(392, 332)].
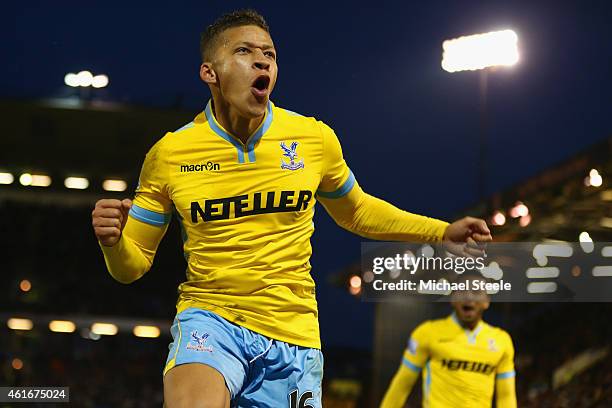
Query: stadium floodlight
[(146, 331), (480, 51), (6, 178), (78, 183), (99, 81), (62, 326), (593, 179), (107, 329), (498, 218), (85, 78), (71, 80), (41, 180), (17, 363), (16, 323), (36, 180), (114, 185), (25, 179), (25, 285), (355, 285), (525, 220), (519, 210)]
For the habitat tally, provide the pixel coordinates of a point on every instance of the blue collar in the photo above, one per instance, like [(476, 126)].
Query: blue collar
[(249, 148), (471, 334)]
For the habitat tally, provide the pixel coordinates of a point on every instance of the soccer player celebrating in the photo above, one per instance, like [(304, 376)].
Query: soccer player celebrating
[(243, 179), (463, 359)]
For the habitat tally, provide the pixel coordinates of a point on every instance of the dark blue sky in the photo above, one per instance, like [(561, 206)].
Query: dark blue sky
[(372, 71)]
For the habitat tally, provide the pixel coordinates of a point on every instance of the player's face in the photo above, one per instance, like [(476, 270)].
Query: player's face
[(246, 70), (469, 305), (470, 311)]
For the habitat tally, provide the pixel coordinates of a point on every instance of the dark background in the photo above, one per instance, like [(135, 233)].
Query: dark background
[(370, 71), (409, 130)]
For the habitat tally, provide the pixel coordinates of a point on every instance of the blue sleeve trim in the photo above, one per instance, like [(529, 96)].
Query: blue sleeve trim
[(411, 366), (427, 387), (149, 217), (187, 126), (292, 113), (503, 376), (342, 191)]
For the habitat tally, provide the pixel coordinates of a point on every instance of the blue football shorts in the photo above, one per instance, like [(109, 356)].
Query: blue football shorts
[(258, 371)]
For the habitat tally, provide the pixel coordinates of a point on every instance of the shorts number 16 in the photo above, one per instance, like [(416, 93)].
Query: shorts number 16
[(293, 399)]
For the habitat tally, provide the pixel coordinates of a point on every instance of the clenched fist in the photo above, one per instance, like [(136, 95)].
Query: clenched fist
[(467, 236), (109, 218)]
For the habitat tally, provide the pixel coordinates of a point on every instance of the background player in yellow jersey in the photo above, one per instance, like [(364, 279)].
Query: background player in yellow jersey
[(243, 179), (463, 360)]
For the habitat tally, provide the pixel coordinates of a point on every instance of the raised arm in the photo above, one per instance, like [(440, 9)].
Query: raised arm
[(373, 218), (129, 233)]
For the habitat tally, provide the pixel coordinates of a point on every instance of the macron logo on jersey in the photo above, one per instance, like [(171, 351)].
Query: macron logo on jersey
[(208, 166)]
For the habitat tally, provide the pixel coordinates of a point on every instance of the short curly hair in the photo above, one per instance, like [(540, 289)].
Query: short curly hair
[(238, 18)]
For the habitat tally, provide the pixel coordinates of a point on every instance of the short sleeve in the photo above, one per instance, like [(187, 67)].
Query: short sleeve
[(505, 368), (336, 178), (152, 203), (417, 350)]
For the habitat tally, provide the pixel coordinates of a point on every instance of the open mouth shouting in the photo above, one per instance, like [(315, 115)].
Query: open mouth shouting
[(259, 88), (468, 308)]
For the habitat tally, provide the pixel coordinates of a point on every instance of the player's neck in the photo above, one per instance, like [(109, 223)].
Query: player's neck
[(235, 124), (471, 325)]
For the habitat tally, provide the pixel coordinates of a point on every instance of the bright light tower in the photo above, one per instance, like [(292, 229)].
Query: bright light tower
[(481, 52), (85, 80)]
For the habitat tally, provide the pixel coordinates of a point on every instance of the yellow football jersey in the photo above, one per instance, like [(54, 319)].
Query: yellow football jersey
[(246, 211), (246, 214), (459, 366)]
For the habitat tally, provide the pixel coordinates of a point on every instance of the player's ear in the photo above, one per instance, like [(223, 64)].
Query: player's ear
[(207, 73), (486, 304)]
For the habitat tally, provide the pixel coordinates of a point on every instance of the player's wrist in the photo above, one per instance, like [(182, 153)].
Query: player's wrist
[(444, 231), (110, 244)]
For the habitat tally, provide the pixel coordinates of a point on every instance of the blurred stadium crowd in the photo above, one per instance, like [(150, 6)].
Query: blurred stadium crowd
[(54, 248), (553, 339)]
